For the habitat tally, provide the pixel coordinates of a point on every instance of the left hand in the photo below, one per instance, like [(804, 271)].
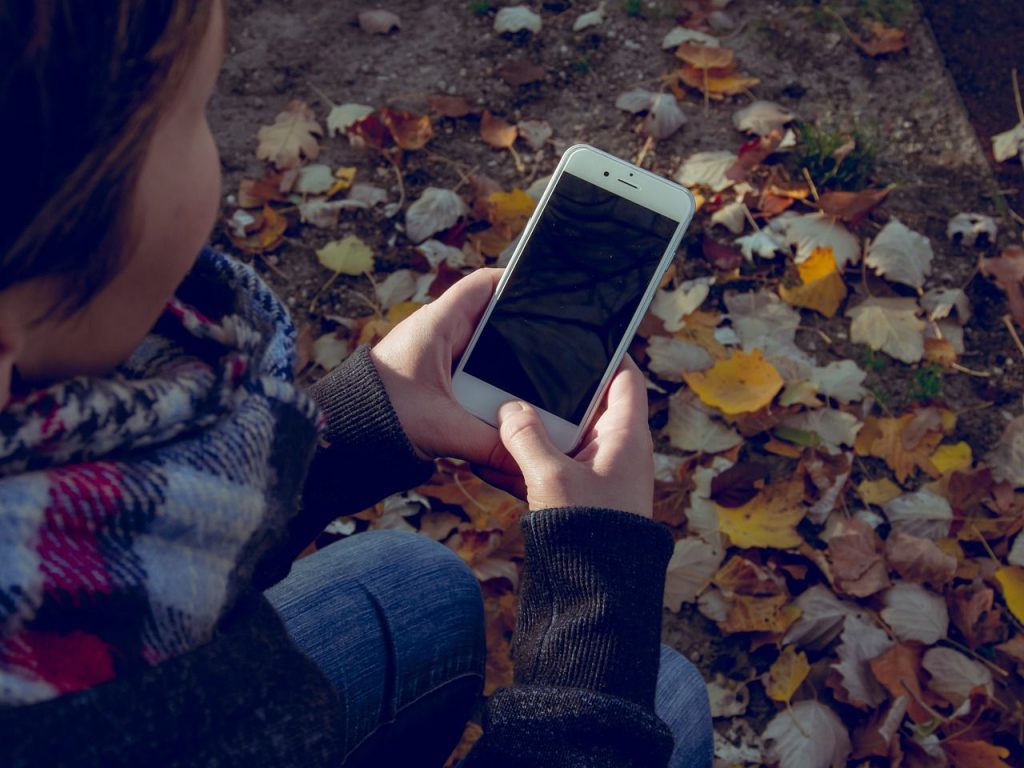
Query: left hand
[(415, 363)]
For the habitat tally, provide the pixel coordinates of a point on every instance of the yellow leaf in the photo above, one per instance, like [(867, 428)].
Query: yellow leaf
[(291, 138), (822, 288), (747, 613), (510, 209), (349, 256), (740, 384), (883, 439), (345, 177), (878, 491), (1011, 579), (954, 457), (767, 520), (787, 674)]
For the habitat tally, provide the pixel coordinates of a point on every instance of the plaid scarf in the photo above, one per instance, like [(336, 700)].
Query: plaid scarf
[(135, 507)]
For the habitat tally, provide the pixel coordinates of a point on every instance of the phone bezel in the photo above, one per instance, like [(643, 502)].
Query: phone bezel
[(630, 182)]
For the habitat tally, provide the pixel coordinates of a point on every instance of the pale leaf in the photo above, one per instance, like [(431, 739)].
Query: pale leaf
[(587, 20), (924, 513), (690, 428), (690, 569), (901, 255), (367, 194), (1008, 143), (732, 216), (379, 22), (728, 698), (761, 117), (323, 214), (939, 303), (534, 133), (701, 515), (914, 613), (672, 306), (834, 428), (840, 380), (670, 357), (822, 615), (314, 179), (816, 230), (291, 138), (680, 35), (807, 735), (636, 100), (890, 325), (1007, 458), (342, 116), (765, 322), (349, 256), (862, 642), (971, 226), (435, 211), (397, 287), (1016, 555), (763, 243), (516, 19), (435, 252), (329, 351), (954, 676), (664, 117), (707, 169)]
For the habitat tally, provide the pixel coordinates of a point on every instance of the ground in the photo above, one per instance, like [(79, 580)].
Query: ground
[(904, 104)]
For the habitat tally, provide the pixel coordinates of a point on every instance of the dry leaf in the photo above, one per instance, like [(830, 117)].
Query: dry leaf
[(741, 383), (323, 214), (762, 321), (898, 669), (889, 324), (680, 35), (408, 130), (728, 698), (821, 287), (519, 72), (840, 380), (397, 287), (379, 22), (822, 616), (690, 428), (1008, 271), (975, 754), (690, 569), (1007, 458), (705, 56), (342, 116), (914, 613), (887, 439), (349, 256), (664, 117), (497, 132), (807, 735), (672, 306), (924, 514), (786, 674), (435, 211), (954, 676), (852, 207), (878, 491), (707, 169), (670, 357), (534, 133), (901, 255), (292, 137), (517, 19), (746, 613), (881, 39), (816, 230), (762, 117), (855, 552), (920, 560), (587, 20), (878, 737), (1011, 580), (974, 613), (763, 243), (767, 520), (853, 679), (969, 228), (1008, 143), (329, 351), (444, 105), (314, 180), (257, 235), (717, 86)]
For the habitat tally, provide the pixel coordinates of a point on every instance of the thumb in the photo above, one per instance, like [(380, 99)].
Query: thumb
[(524, 437)]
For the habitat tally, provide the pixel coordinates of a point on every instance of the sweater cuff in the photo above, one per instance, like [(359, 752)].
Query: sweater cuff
[(601, 572), (367, 454)]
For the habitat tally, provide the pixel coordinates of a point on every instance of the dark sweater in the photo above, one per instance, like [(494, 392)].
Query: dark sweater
[(586, 644)]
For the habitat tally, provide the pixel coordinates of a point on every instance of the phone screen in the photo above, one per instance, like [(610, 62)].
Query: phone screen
[(570, 299)]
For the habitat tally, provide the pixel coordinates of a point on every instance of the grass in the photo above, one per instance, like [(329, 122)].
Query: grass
[(874, 361), (632, 8), (926, 384), (824, 152)]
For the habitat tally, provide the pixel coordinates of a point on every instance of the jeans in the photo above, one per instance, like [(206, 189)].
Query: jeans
[(395, 621)]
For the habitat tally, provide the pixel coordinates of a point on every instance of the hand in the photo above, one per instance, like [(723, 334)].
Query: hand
[(415, 363), (613, 468)]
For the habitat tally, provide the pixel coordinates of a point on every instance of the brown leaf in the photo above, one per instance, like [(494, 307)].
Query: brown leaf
[(371, 132), (705, 56), (876, 738), (499, 133), (520, 72), (852, 207), (741, 576), (256, 194), (721, 256), (265, 235), (898, 670), (292, 138), (975, 754), (409, 131), (884, 439), (917, 559), (856, 554), (451, 106), (975, 614), (1008, 271), (1014, 648), (739, 484), (759, 614), (881, 40), (752, 153)]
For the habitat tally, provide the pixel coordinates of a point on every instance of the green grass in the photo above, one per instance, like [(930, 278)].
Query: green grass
[(874, 361), (480, 7), (821, 151), (927, 383), (632, 8)]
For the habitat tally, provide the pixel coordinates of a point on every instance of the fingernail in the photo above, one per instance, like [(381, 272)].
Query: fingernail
[(508, 408)]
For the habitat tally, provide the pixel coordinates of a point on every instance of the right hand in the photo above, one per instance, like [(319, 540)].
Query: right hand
[(614, 466)]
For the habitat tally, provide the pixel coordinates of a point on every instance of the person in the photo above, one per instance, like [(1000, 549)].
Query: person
[(160, 472)]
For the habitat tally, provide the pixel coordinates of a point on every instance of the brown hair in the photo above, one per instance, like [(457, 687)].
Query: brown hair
[(82, 85)]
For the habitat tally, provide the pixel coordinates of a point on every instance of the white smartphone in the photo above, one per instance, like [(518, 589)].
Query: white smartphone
[(579, 282)]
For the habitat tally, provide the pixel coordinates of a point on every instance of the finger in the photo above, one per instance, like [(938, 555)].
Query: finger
[(524, 436), (509, 483), (626, 400), (458, 309)]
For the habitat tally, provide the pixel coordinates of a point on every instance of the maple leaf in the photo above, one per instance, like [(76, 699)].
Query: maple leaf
[(767, 520), (914, 613), (786, 674), (807, 735), (889, 324), (292, 137), (856, 555), (348, 256), (1008, 271), (901, 255), (898, 669), (740, 384), (885, 438), (821, 287), (762, 117)]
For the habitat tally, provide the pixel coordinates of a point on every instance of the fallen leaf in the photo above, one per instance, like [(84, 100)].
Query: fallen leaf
[(258, 235), (900, 254), (821, 287), (974, 613), (742, 576), (1007, 458), (721, 256), (707, 169), (763, 243), (292, 137), (435, 210), (924, 514), (975, 754), (342, 116), (329, 351), (918, 559), (940, 304), (499, 133), (888, 439), (855, 552), (323, 214), (739, 384), (1008, 143), (746, 613), (534, 133), (454, 107), (767, 520), (672, 306), (822, 616), (786, 674), (762, 117), (816, 230), (349, 256), (517, 19), (762, 321), (397, 287), (832, 427), (878, 491), (408, 130), (954, 676), (732, 216), (898, 669), (679, 35), (705, 56), (690, 569), (379, 22), (914, 613), (878, 736), (519, 72), (1008, 271), (690, 428), (852, 207), (588, 20), (314, 180), (670, 357), (807, 735), (881, 39), (853, 680), (256, 194), (1014, 648), (728, 698), (969, 228), (717, 86), (1011, 580), (664, 117), (955, 457), (890, 325)]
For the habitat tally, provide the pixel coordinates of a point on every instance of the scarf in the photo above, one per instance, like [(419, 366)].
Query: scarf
[(135, 507)]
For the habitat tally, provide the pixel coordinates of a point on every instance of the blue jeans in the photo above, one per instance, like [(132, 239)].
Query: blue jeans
[(395, 621)]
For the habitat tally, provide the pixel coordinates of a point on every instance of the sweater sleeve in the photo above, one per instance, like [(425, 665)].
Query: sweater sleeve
[(586, 646), (365, 456)]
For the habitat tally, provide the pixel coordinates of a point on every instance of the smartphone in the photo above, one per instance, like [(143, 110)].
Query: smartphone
[(575, 289)]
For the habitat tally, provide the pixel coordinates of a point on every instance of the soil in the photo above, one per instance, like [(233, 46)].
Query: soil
[(314, 50)]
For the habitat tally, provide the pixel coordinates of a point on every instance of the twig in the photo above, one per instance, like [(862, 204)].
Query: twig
[(1013, 334), (520, 168), (648, 142), (750, 218), (970, 372), (324, 287), (320, 93), (971, 652), (401, 183), (1016, 95), (814, 189)]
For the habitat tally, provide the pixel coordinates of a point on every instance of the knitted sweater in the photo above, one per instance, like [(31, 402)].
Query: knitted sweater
[(586, 642)]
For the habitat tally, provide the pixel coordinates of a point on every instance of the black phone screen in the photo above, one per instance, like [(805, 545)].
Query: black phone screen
[(570, 299)]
